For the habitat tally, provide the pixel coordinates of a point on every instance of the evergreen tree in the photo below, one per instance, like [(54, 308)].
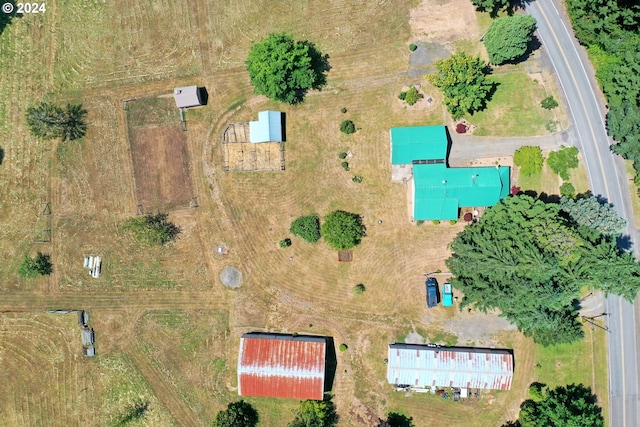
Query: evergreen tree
[(591, 213), (529, 260), (508, 38)]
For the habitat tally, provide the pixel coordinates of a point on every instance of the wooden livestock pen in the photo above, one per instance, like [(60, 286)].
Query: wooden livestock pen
[(240, 155)]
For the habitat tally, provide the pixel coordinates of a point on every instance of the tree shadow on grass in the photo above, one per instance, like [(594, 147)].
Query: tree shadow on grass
[(1, 155)]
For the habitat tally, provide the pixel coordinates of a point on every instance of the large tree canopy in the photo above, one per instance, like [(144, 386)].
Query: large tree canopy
[(313, 413), (570, 406), (529, 261), (284, 69), (342, 230), (508, 38), (463, 81)]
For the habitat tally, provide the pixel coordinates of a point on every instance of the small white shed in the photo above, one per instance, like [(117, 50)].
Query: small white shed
[(188, 96)]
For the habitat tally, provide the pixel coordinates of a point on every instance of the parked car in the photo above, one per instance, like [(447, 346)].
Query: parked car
[(447, 294), (432, 292)]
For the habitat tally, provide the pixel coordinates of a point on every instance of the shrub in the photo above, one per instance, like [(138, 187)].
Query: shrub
[(348, 127), (343, 347), (342, 230), (307, 227), (536, 391), (285, 243), (453, 222), (345, 165), (357, 179), (413, 96), (359, 289), (419, 222), (152, 229), (40, 265), (342, 155), (343, 110), (549, 103), (529, 158), (567, 190), (402, 96), (436, 222), (412, 47)]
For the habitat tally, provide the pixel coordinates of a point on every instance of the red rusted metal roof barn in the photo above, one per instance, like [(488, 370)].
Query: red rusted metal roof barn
[(276, 365)]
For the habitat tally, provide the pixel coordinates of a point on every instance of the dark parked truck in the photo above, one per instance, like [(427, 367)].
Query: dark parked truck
[(432, 292)]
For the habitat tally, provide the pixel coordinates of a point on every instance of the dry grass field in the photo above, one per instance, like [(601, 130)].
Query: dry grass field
[(167, 330)]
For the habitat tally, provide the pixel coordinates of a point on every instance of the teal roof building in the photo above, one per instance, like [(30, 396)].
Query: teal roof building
[(438, 191)]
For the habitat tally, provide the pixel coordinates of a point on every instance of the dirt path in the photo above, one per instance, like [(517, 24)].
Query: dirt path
[(181, 413), (104, 300)]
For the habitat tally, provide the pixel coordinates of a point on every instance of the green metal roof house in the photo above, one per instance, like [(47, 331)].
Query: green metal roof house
[(440, 191)]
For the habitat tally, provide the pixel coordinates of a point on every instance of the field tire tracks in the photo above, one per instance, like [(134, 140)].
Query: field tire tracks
[(163, 391)]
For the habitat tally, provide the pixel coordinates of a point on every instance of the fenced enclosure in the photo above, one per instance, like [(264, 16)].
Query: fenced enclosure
[(240, 155)]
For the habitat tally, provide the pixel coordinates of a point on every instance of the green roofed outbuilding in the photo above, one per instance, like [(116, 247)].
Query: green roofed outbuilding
[(439, 191), (427, 143)]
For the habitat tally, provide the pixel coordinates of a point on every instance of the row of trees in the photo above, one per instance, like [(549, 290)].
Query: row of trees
[(611, 31), (530, 160), (311, 413), (341, 230), (530, 259)]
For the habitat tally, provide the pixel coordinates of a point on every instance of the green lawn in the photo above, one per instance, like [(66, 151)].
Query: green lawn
[(582, 362), (514, 108)]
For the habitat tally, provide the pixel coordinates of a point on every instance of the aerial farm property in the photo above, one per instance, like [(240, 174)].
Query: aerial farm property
[(241, 245)]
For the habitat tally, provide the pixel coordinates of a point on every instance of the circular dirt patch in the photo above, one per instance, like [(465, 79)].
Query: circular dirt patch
[(231, 277)]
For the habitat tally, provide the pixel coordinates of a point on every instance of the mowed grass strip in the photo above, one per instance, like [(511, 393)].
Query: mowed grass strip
[(25, 161)]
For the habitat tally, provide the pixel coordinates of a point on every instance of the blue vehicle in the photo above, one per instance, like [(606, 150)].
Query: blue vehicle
[(432, 292), (447, 295)]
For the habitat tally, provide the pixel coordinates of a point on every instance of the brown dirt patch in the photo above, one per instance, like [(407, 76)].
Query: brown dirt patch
[(161, 167), (443, 20)]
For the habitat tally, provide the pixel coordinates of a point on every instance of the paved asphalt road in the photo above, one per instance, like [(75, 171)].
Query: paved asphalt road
[(608, 179)]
